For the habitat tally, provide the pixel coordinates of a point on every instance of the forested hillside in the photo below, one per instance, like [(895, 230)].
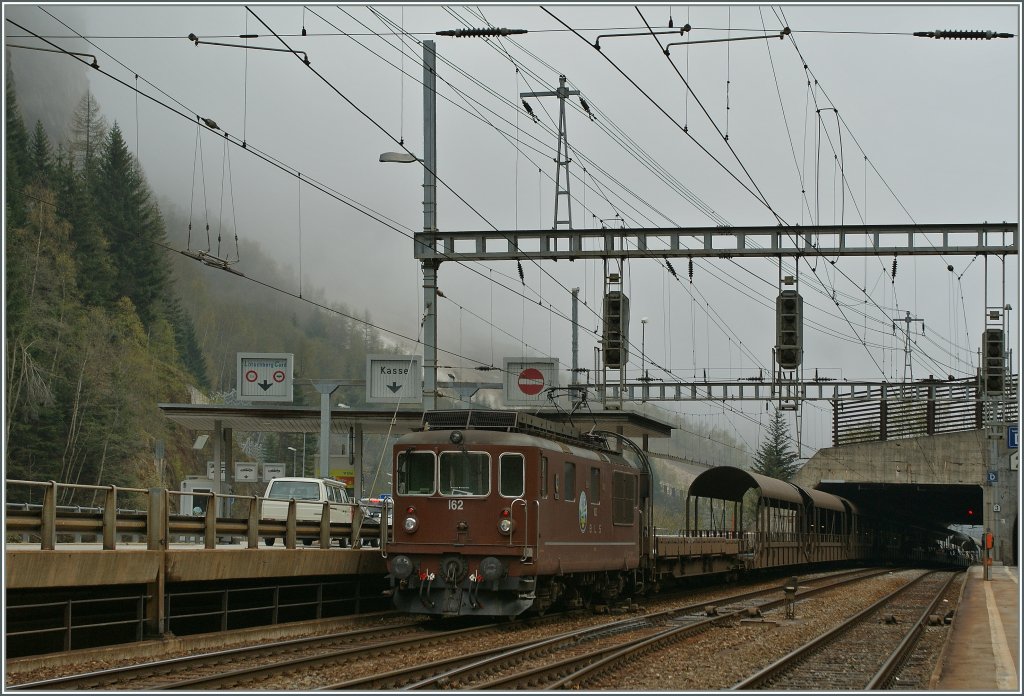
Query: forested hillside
[(104, 320)]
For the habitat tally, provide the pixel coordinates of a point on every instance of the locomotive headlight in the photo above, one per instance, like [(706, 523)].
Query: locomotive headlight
[(411, 524), (401, 567), (491, 568), (505, 523)]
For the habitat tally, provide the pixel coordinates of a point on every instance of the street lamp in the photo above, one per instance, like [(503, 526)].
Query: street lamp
[(421, 249), (400, 157), (294, 453), (643, 354)]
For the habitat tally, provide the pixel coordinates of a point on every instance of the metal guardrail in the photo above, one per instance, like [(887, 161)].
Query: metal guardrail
[(51, 523), (66, 622)]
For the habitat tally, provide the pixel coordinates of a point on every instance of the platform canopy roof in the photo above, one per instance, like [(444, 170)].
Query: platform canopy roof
[(306, 419)]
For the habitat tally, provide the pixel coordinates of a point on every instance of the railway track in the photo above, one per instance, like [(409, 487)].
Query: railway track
[(252, 664), (155, 674), (865, 651), (568, 659)]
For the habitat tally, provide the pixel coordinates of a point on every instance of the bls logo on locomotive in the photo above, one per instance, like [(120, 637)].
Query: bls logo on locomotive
[(583, 511)]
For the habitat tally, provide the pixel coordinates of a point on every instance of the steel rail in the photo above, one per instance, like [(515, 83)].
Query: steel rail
[(895, 662), (113, 675), (786, 662)]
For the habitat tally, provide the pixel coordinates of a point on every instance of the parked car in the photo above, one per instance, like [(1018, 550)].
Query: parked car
[(309, 495), (372, 509)]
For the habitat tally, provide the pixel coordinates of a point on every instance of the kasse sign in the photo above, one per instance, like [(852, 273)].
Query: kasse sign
[(392, 379)]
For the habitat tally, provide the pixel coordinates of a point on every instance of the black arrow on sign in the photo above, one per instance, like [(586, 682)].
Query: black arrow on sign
[(394, 387), (265, 384)]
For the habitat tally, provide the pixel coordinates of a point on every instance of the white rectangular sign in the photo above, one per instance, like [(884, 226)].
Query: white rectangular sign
[(265, 376), (211, 471), (247, 471), (391, 379), (272, 471), (527, 381)]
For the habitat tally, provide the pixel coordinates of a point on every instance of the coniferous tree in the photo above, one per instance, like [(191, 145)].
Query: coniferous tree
[(75, 201), (133, 226), (88, 133), (774, 458), (16, 155), (188, 345), (41, 155)]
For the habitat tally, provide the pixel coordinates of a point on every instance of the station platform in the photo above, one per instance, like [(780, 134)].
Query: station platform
[(983, 649)]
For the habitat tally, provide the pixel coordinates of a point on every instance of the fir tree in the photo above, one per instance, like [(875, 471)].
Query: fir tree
[(17, 157), (88, 133), (189, 350), (75, 202), (133, 226), (41, 155), (774, 458)]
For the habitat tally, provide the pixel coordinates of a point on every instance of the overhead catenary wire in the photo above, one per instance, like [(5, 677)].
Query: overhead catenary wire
[(664, 112), (641, 90), (551, 130)]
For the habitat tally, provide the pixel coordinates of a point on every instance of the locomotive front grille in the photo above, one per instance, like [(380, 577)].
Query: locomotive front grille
[(479, 420)]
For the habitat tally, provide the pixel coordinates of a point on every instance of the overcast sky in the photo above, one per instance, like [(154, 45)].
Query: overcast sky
[(930, 133)]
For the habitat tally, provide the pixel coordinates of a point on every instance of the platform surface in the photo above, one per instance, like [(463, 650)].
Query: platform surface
[(983, 650)]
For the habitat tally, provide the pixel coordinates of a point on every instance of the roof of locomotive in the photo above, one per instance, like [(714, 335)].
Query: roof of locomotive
[(503, 439)]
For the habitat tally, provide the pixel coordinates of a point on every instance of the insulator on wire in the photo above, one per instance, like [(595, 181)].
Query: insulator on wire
[(963, 34), (894, 269), (486, 31), (522, 276), (691, 270), (668, 264)]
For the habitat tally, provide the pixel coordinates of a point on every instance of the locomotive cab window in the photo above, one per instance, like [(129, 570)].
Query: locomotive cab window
[(465, 473), (511, 475), (595, 485), (415, 473), (569, 485)]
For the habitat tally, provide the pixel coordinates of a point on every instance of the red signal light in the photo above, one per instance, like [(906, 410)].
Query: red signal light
[(970, 512)]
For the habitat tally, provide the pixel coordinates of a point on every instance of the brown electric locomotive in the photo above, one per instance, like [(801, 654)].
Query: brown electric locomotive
[(498, 512)]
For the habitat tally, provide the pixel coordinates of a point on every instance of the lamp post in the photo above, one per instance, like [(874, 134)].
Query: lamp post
[(294, 453), (421, 250)]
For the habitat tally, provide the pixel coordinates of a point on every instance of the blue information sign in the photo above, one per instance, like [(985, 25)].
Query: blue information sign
[(1012, 437)]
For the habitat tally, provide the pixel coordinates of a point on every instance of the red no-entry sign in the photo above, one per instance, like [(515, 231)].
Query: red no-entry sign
[(531, 381)]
